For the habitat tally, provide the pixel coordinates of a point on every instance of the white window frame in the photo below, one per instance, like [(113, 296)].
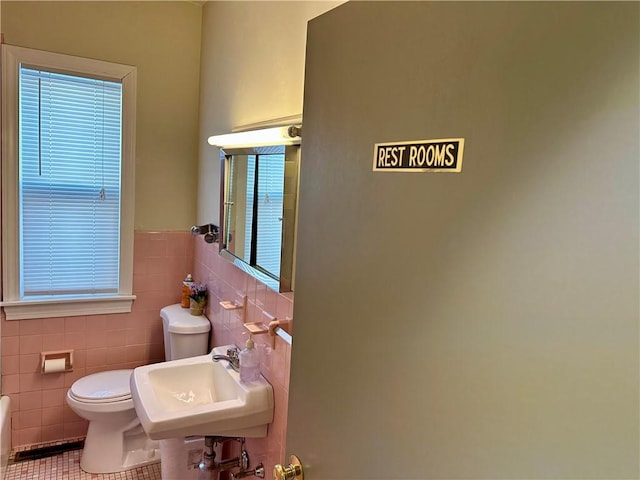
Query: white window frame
[(14, 307)]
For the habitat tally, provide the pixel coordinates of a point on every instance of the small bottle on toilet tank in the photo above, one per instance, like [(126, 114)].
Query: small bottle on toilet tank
[(186, 291)]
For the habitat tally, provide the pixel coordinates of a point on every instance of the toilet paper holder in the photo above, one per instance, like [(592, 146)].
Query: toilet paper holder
[(54, 357)]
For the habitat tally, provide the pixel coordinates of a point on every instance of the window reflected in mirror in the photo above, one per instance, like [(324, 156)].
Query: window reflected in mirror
[(259, 208)]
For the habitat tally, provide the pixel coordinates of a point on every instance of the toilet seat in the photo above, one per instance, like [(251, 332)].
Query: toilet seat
[(103, 387)]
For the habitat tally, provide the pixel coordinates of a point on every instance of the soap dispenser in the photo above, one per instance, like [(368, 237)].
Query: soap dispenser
[(249, 362)]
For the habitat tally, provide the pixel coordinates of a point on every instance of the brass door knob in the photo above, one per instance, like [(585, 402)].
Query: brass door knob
[(291, 472)]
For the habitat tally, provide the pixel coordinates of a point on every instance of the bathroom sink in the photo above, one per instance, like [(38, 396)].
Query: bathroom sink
[(197, 396)]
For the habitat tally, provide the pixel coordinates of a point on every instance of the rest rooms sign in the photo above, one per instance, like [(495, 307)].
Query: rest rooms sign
[(443, 155)]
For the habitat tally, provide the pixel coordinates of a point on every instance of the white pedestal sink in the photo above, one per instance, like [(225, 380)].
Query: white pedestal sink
[(197, 396)]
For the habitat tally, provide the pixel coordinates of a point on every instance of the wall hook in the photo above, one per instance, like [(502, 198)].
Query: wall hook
[(209, 230)]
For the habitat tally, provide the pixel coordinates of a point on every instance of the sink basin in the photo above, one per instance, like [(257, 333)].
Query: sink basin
[(197, 396)]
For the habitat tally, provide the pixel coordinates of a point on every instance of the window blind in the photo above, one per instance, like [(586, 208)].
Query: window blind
[(70, 164), (270, 204)]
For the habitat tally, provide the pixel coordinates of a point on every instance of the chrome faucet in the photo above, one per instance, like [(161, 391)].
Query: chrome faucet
[(231, 357)]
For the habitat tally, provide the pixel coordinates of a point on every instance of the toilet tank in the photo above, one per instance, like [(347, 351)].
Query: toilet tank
[(185, 335)]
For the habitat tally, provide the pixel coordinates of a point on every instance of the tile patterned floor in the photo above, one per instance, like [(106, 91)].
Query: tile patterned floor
[(66, 466)]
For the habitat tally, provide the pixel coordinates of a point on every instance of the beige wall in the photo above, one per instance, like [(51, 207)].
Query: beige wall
[(162, 39), (252, 70)]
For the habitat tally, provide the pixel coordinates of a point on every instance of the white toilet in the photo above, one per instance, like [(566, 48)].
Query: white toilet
[(115, 439)]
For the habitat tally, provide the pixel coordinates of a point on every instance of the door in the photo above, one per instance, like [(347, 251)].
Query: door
[(481, 324)]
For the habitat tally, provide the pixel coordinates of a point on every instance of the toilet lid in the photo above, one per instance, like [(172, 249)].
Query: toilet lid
[(111, 386), (178, 320)]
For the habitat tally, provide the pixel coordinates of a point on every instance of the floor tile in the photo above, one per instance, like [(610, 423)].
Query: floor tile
[(66, 466)]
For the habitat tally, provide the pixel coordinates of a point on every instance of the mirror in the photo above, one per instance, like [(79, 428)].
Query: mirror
[(258, 211)]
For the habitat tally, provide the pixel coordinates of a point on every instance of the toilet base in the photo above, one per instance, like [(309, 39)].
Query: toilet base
[(141, 457), (108, 451)]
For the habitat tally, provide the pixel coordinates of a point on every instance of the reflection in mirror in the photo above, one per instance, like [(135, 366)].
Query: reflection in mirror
[(258, 209)]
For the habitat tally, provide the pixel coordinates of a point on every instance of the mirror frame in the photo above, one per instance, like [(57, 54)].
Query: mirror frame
[(290, 218)]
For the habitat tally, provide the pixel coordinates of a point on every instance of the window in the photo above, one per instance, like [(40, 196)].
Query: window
[(68, 125)]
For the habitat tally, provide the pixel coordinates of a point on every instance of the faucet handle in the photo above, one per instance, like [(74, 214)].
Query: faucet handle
[(233, 352), (259, 472)]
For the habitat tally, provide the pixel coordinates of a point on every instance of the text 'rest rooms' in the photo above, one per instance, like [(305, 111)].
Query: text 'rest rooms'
[(427, 155)]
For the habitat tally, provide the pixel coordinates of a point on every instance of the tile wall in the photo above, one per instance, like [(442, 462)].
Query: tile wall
[(100, 342), (227, 283)]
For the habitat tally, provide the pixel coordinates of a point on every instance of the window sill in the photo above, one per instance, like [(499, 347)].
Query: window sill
[(49, 308)]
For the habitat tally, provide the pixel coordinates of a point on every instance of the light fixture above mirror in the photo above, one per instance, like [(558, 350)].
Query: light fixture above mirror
[(263, 137)]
